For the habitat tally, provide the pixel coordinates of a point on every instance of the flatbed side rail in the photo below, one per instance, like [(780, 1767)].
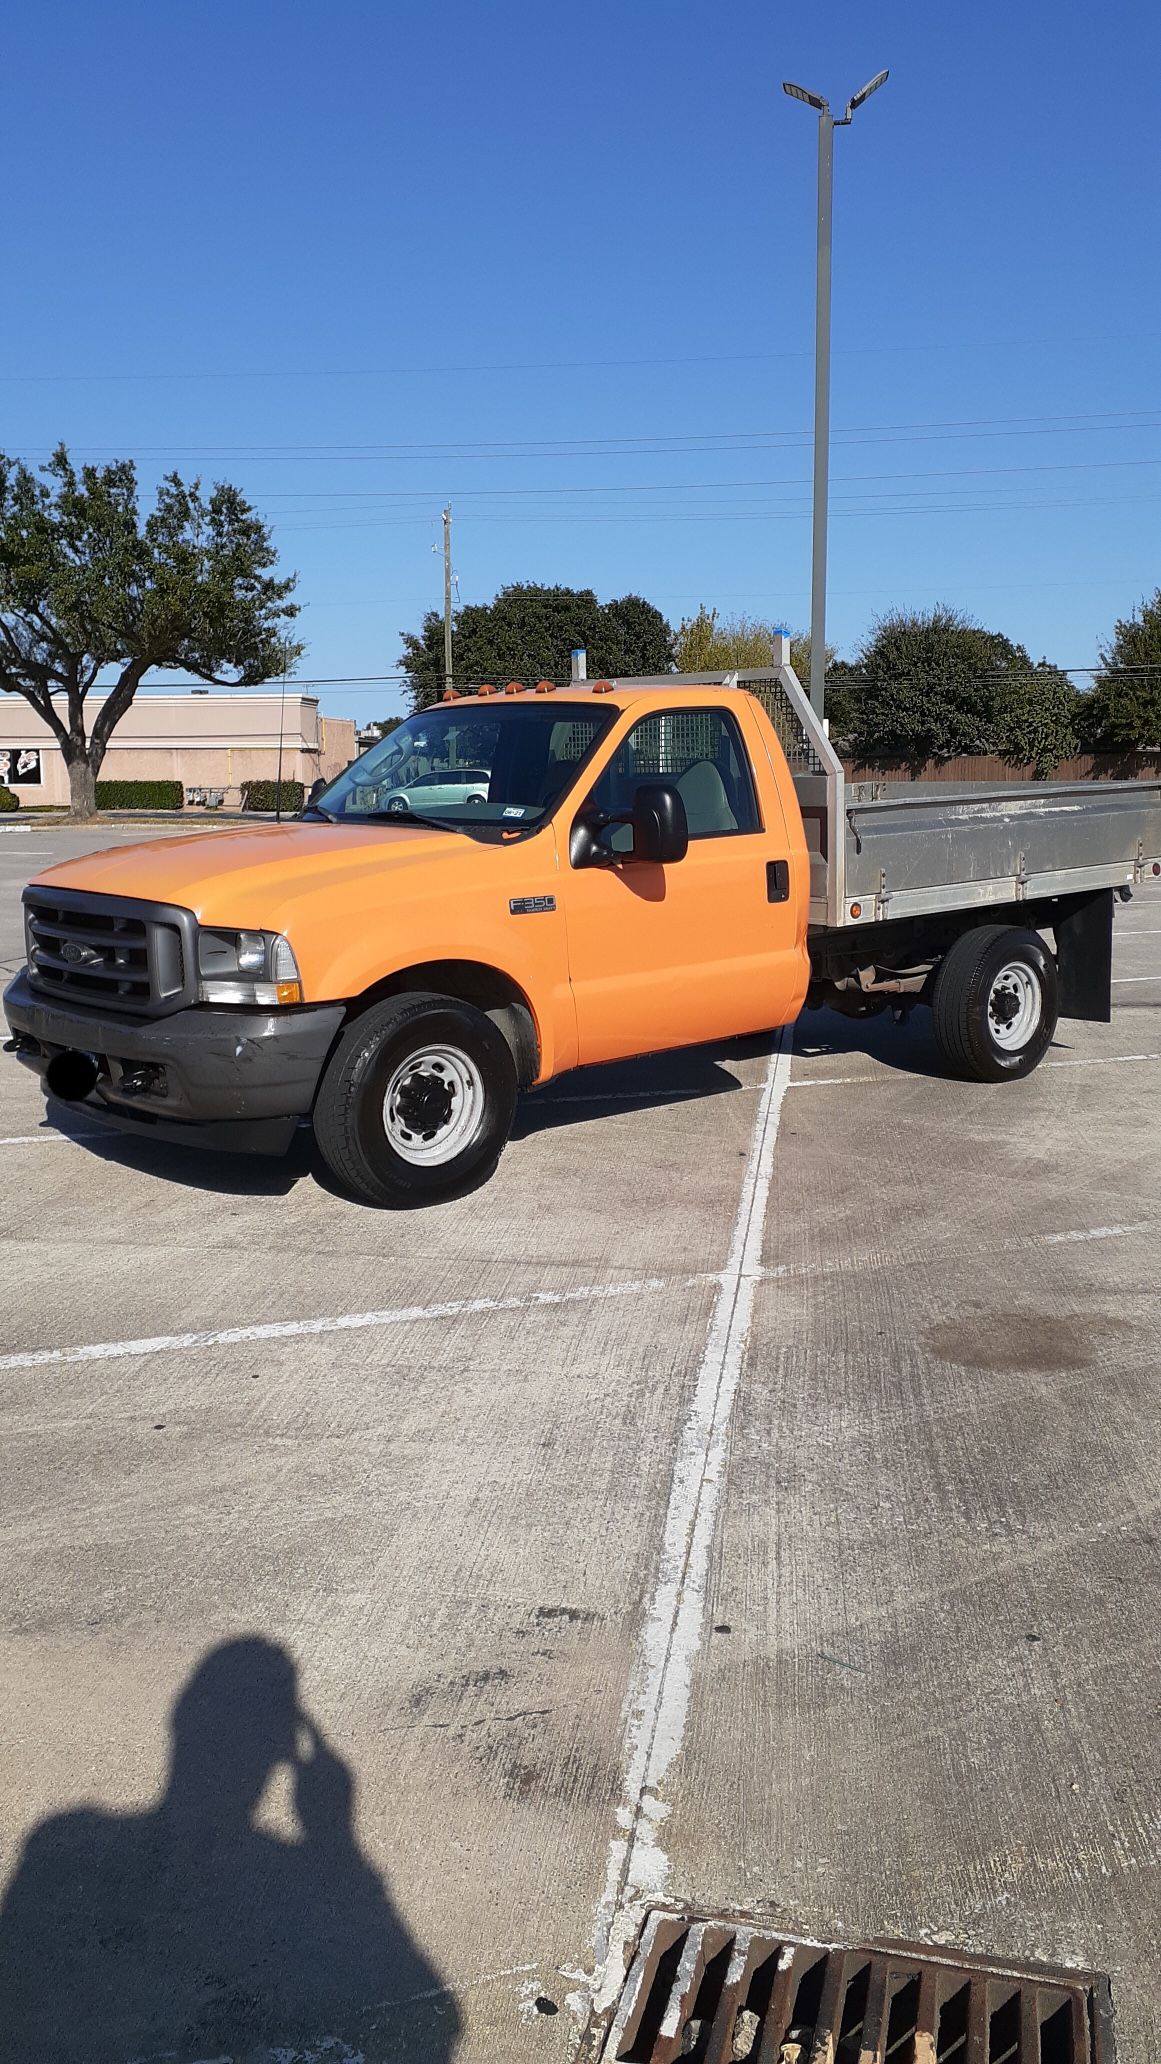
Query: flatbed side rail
[(913, 855)]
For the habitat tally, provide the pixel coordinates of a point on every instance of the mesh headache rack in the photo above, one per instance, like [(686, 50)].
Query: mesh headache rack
[(727, 1991)]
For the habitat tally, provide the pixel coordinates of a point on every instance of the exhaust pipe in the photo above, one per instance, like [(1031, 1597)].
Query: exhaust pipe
[(71, 1076)]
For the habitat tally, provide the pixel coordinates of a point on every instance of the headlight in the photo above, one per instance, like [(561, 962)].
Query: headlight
[(247, 967)]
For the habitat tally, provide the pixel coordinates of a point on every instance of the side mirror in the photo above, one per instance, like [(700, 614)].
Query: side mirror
[(660, 825)]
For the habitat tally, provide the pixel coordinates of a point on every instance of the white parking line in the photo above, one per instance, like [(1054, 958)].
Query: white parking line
[(1096, 1232), (1120, 980), (892, 1074), (39, 1139), (658, 1699), (345, 1322)]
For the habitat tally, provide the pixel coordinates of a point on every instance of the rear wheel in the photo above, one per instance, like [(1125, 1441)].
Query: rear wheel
[(995, 1003), (419, 1097)]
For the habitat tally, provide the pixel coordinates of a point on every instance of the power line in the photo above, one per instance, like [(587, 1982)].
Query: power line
[(771, 513), (544, 365), (1075, 423), (414, 494)]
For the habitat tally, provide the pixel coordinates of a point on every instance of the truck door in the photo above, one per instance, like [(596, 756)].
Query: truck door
[(701, 949)]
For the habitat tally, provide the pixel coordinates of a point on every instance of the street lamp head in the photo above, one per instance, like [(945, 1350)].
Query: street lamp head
[(814, 100), (865, 92)]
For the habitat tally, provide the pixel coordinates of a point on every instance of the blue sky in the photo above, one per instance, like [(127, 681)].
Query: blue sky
[(557, 264)]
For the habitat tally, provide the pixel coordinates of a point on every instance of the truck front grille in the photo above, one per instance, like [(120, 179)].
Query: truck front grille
[(110, 952)]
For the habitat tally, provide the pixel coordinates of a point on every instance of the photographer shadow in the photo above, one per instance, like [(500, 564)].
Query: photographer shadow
[(190, 1932)]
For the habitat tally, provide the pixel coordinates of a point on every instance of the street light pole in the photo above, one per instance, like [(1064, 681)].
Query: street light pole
[(827, 124), (821, 413)]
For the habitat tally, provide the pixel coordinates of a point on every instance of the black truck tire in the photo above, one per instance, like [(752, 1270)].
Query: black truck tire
[(995, 1003), (417, 1098)]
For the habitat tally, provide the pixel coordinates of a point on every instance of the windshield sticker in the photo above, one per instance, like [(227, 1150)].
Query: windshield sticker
[(515, 810)]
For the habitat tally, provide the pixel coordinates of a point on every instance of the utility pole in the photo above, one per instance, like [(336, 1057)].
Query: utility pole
[(827, 124), (447, 599)]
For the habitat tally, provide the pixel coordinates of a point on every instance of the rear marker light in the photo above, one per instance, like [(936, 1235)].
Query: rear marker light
[(856, 909)]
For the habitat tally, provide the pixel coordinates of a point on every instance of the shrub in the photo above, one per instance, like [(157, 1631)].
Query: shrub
[(8, 801), (139, 795), (264, 795)]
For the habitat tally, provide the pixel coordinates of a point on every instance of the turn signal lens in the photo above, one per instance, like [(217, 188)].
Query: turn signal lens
[(283, 966), (289, 992)]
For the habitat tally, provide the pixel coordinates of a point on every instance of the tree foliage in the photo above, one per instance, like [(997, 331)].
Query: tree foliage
[(87, 586), (1123, 712), (933, 684), (528, 634), (710, 644)]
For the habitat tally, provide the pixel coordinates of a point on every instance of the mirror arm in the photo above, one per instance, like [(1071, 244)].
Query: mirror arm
[(585, 852)]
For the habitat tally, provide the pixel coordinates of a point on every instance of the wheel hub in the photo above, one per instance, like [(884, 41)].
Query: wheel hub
[(1014, 1006), (423, 1103), (434, 1105)]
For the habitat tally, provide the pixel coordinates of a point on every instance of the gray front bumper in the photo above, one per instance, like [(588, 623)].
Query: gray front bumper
[(234, 1078)]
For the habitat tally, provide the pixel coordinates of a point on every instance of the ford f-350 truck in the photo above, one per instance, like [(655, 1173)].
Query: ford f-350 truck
[(527, 880)]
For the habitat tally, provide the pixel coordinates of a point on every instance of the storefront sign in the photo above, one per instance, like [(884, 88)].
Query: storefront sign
[(20, 766)]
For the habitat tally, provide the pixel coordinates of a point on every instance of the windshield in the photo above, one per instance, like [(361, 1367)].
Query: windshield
[(491, 770)]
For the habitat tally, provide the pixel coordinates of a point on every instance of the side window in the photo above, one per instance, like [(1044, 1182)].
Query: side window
[(701, 753)]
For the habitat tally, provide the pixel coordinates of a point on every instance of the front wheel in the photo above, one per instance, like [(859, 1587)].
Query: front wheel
[(419, 1097), (995, 1003)]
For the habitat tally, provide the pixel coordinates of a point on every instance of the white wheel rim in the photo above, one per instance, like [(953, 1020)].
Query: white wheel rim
[(1014, 1006), (434, 1106)]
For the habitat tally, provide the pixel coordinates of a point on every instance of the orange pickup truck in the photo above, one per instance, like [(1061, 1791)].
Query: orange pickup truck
[(527, 880)]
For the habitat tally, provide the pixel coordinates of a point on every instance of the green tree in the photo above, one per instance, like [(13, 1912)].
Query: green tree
[(1037, 719), (86, 586), (1123, 711), (528, 633), (709, 644), (933, 684)]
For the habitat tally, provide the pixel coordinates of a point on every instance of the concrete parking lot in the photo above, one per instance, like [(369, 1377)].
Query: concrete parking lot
[(749, 1497)]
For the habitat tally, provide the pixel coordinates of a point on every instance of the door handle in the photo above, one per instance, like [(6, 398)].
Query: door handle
[(777, 881)]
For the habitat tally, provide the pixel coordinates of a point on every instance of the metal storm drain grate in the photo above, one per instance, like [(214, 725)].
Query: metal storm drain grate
[(722, 1992)]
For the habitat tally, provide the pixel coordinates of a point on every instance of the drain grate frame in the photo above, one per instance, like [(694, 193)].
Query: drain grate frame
[(734, 1990)]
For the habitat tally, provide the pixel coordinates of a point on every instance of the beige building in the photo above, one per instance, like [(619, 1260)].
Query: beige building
[(211, 740)]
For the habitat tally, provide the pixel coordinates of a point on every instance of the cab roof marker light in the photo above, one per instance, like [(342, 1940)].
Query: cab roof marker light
[(514, 688), (450, 695), (487, 688), (545, 688), (602, 687)]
